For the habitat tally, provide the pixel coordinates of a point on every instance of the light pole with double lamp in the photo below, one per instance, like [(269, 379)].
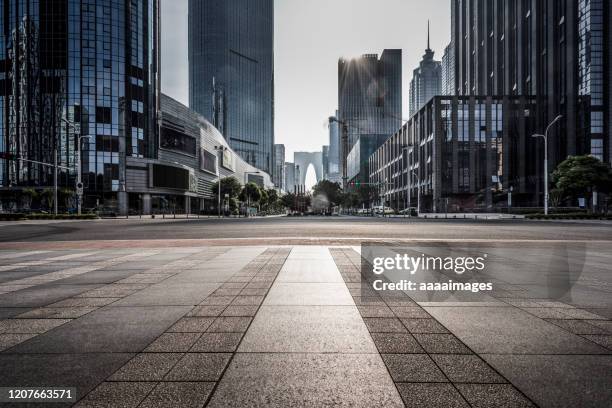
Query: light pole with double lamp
[(545, 137), (221, 149), (79, 181)]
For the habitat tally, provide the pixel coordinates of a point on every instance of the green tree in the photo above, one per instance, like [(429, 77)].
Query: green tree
[(327, 192), (27, 196), (47, 197), (251, 193), (579, 176), (229, 185)]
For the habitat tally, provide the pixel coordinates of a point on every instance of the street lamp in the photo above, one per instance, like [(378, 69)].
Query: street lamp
[(409, 186), (545, 137), (79, 182), (219, 148)]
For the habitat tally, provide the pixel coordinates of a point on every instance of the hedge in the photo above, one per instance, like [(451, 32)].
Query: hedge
[(570, 216), (20, 217)]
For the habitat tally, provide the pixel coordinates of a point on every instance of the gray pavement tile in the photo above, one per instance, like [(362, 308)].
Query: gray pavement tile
[(217, 301), (259, 285), (233, 285), (441, 344), (248, 311), (306, 380), (309, 294), (116, 290), (178, 394), (169, 294), (192, 325), (604, 324), (84, 302), (406, 312), (247, 301), (110, 329), (254, 291), (497, 330), (7, 312), (375, 311), (466, 369), (9, 340), (83, 371), (396, 343), (413, 368), (384, 325), (368, 301), (173, 342), (227, 292), (207, 311), (57, 313), (100, 276), (314, 329), (147, 367), (116, 395), (43, 295), (199, 367), (493, 395), (557, 380), (217, 343), (582, 314), (602, 340), (399, 302), (548, 312), (30, 326), (423, 326), (430, 395), (577, 326), (230, 325)]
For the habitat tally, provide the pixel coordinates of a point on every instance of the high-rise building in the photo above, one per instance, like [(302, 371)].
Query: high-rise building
[(552, 50), (279, 165), (231, 73), (370, 94), (78, 68), (426, 80), (289, 177), (448, 70), (325, 162), (334, 168)]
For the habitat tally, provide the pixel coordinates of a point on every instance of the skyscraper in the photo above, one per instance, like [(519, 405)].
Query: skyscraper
[(552, 50), (73, 68), (448, 70), (426, 80), (231, 73), (279, 165), (370, 94), (334, 160)]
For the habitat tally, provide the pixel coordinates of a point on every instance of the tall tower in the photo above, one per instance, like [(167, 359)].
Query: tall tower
[(231, 73), (426, 81)]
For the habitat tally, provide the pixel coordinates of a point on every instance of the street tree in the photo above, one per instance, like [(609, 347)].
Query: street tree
[(327, 192), (580, 176), (229, 185), (251, 193)]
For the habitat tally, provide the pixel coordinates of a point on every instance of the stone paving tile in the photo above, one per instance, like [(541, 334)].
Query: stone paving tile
[(368, 301), (217, 301), (191, 325), (441, 344), (114, 291), (227, 292), (147, 367), (237, 311), (604, 324), (116, 394), (413, 368), (431, 395), (173, 343), (57, 313), (230, 325), (254, 291), (582, 314), (30, 326), (602, 340), (396, 343), (384, 325), (423, 326), (207, 311), (247, 301), (178, 394), (577, 326), (410, 312), (400, 302), (466, 369), (9, 340), (199, 367), (493, 395), (375, 311), (84, 302), (217, 343)]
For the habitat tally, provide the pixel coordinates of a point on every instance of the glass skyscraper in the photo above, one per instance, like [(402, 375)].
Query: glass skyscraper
[(70, 67), (426, 80), (231, 73)]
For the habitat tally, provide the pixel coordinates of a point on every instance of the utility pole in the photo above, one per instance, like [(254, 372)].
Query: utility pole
[(545, 137)]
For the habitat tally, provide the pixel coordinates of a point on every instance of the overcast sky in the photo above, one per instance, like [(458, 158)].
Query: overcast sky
[(310, 37)]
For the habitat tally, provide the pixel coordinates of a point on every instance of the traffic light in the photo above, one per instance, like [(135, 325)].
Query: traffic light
[(8, 156)]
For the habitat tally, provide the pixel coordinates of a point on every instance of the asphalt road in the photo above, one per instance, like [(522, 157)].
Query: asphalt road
[(312, 227)]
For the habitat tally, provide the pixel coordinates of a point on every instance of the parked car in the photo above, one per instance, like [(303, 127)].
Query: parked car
[(409, 211)]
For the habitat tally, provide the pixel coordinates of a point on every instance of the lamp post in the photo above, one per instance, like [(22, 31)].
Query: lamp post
[(545, 137), (409, 186), (219, 148), (246, 181), (79, 182)]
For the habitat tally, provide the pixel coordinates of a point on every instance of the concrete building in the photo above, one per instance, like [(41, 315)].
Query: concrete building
[(335, 150), (279, 165), (426, 80), (231, 73), (325, 160), (289, 177)]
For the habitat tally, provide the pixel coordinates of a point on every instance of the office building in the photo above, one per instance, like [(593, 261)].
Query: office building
[(325, 160), (448, 71), (279, 165), (426, 79), (70, 69), (289, 177), (231, 73), (335, 150)]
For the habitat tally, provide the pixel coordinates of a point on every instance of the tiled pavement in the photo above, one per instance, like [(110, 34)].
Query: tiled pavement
[(282, 326)]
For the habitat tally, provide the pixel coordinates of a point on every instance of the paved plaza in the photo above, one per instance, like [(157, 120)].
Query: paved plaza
[(144, 324)]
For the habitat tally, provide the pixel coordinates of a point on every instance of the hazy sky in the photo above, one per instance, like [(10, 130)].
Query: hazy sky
[(310, 36)]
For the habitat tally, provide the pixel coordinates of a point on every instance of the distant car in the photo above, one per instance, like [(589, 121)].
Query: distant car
[(409, 211), (380, 210)]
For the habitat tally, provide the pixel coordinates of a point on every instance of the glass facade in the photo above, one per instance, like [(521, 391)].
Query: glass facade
[(426, 81), (231, 73), (91, 63)]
